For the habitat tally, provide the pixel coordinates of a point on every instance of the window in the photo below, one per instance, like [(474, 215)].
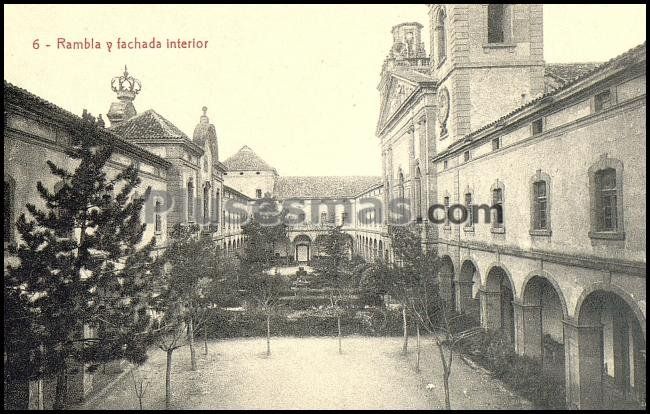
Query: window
[(257, 172), (602, 101), (606, 199), (158, 221), (323, 217), (190, 201), (538, 126), (497, 210), (445, 164), (206, 202), (541, 205), (605, 183), (470, 212), (441, 36), (496, 143), (258, 193), (496, 20), (418, 195), (466, 156), (215, 207)]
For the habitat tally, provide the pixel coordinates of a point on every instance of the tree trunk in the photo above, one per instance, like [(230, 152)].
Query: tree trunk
[(417, 359), (168, 379), (268, 334), (205, 336), (338, 321), (446, 384), (190, 333), (406, 332), (59, 398)]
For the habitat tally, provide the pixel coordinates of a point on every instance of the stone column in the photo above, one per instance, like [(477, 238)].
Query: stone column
[(583, 352), (490, 309), (528, 329), (463, 295)]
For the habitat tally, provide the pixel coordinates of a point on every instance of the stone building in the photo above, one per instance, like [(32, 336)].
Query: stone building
[(485, 122)]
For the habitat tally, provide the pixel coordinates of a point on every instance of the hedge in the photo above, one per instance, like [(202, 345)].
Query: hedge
[(370, 322)]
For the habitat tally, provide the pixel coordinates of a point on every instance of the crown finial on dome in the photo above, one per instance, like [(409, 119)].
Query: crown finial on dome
[(126, 87)]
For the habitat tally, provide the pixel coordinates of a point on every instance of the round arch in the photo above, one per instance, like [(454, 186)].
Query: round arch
[(600, 286), (543, 274)]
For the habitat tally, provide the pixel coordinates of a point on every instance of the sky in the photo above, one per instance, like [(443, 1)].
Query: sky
[(296, 83)]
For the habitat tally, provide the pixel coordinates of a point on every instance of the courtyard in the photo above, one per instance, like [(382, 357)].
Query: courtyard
[(309, 373)]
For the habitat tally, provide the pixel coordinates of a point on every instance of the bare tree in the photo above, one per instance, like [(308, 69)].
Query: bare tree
[(140, 384)]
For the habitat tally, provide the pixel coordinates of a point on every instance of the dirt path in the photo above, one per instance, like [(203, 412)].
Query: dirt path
[(308, 373)]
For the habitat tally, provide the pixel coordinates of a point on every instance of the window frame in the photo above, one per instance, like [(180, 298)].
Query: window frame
[(496, 227), (469, 225), (596, 232), (540, 176)]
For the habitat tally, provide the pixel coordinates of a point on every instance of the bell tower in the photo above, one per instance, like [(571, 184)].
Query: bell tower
[(126, 87), (487, 59)]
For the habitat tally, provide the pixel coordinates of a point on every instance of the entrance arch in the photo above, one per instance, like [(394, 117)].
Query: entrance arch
[(611, 346), (497, 308), (446, 282), (468, 283), (302, 248), (541, 332)]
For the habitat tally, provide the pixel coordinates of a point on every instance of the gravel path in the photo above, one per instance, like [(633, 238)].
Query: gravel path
[(309, 373)]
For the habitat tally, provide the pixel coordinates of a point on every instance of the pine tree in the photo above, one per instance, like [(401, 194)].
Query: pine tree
[(80, 264)]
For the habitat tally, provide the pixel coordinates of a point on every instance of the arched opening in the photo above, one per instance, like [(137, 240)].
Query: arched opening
[(543, 333), (190, 201), (418, 195), (446, 282), (374, 250), (302, 248), (498, 311), (441, 40), (206, 203), (611, 345), (468, 299), (381, 249)]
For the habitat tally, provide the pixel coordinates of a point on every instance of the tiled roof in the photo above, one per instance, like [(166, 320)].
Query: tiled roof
[(557, 74), (148, 125), (36, 103), (323, 186), (246, 160), (622, 60), (412, 75)]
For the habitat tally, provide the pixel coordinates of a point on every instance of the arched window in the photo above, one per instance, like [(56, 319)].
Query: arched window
[(606, 188), (469, 224), (206, 203), (497, 213), (190, 201), (10, 189), (441, 40), (540, 218), (418, 195), (158, 219), (400, 192)]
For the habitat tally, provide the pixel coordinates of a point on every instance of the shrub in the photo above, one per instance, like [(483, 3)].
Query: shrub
[(522, 374)]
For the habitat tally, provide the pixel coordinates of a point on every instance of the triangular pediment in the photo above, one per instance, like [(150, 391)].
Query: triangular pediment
[(394, 94)]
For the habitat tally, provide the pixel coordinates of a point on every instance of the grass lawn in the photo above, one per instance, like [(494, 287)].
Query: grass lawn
[(309, 373)]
